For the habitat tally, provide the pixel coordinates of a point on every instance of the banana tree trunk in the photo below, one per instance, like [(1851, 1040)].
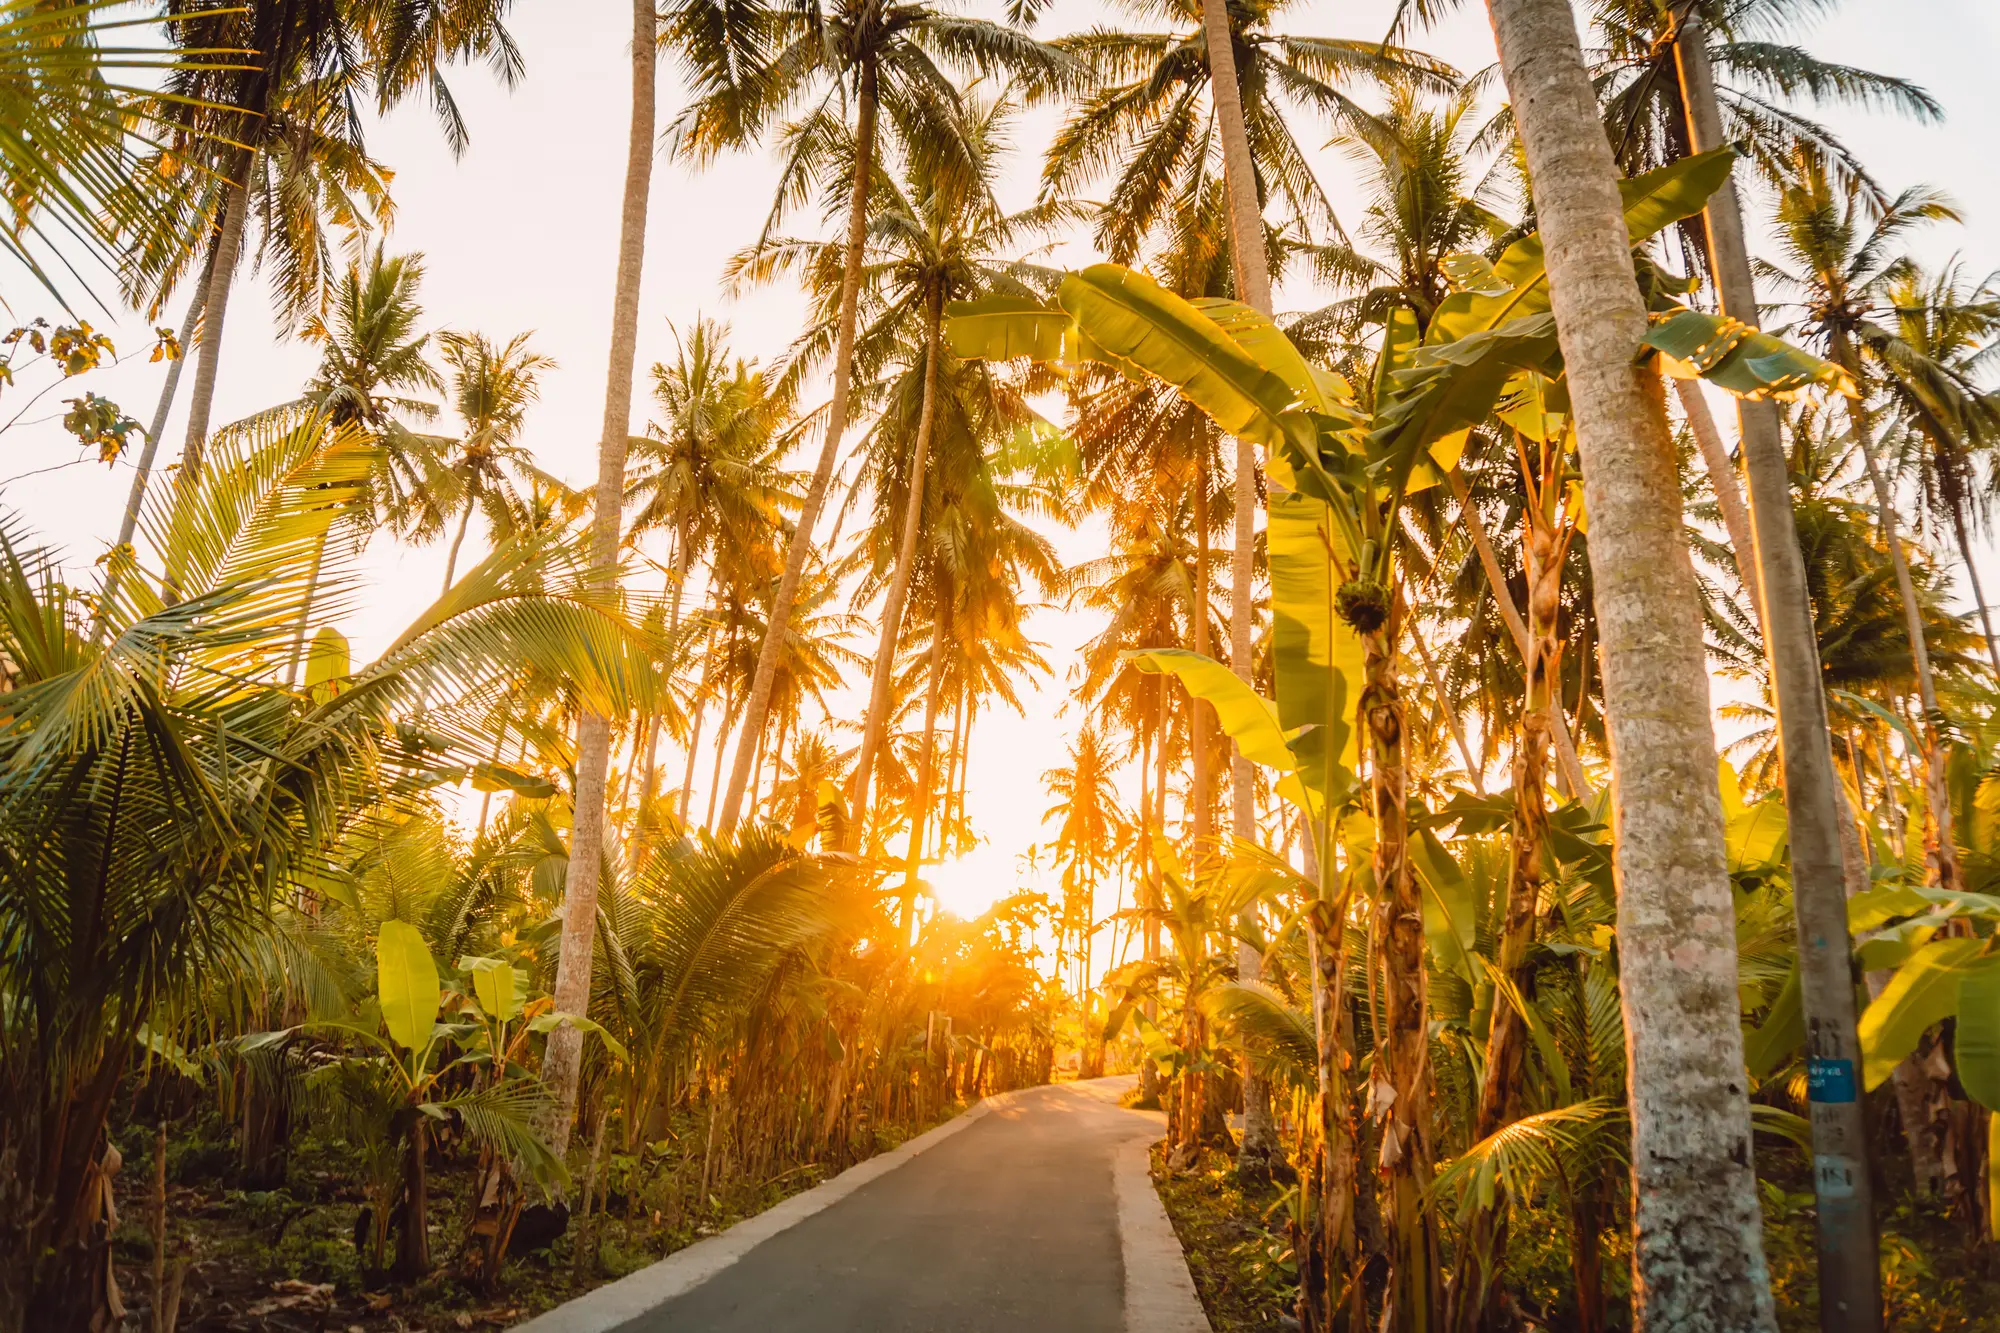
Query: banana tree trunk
[(1850, 1287), (215, 311), (1485, 1244), (836, 425), (1698, 1256), (564, 1058), (1570, 768), (899, 584), (1400, 1094), (413, 1243)]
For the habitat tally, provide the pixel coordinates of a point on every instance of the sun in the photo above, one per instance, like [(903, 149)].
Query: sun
[(968, 885)]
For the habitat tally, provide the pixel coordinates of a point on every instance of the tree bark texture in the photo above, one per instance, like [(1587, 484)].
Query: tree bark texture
[(1850, 1292), (1698, 1256), (215, 311), (899, 584), (563, 1061)]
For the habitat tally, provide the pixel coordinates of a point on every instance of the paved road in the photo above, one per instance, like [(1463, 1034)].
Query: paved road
[(1011, 1224)]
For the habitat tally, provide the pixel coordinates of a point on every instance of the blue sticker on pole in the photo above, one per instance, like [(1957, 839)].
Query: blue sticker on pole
[(1830, 1080)]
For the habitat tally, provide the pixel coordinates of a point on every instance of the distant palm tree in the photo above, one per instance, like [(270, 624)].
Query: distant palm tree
[(1147, 119), (492, 387), (1089, 823), (792, 65), (707, 468)]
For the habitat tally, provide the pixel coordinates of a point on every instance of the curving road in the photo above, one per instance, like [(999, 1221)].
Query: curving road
[(1032, 1211)]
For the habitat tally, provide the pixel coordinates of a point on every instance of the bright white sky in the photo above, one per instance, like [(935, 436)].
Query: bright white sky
[(522, 234)]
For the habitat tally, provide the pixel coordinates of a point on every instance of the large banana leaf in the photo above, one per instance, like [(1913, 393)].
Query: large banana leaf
[(1976, 1042), (1246, 717), (1001, 328), (1129, 315), (1450, 386), (1316, 656), (406, 980), (1518, 284), (1734, 356), (1924, 991)]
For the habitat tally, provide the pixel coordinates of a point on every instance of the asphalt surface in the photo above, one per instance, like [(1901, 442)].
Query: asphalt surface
[(1007, 1226)]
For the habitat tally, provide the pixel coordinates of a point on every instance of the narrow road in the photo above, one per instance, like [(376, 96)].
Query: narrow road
[(1035, 1215)]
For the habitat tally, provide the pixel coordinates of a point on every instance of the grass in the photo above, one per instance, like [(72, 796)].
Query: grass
[(1235, 1244)]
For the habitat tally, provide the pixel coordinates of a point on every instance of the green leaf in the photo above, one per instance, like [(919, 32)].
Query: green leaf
[(1518, 283), (1755, 836), (1134, 318), (1731, 355), (1247, 717), (1001, 328), (498, 985), (406, 979), (1316, 656), (1451, 386), (1782, 1031), (1976, 1040), (327, 660), (1450, 914), (550, 1022), (1923, 992)]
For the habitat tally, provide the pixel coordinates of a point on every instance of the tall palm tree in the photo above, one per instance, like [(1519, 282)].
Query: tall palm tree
[(1087, 819), (1838, 255), (562, 1065), (492, 387), (1153, 118), (938, 235), (1698, 1257), (754, 65)]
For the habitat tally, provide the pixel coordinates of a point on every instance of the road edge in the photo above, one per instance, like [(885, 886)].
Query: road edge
[(1159, 1291), (615, 1304)]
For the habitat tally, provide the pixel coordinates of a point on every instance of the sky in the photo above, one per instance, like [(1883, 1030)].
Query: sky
[(521, 234)]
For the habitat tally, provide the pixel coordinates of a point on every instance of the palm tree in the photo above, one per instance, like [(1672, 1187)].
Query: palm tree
[(280, 134), (593, 732), (1837, 262), (1087, 824), (1697, 1249), (1147, 118), (754, 64), (707, 469), (492, 387), (937, 236), (1944, 332)]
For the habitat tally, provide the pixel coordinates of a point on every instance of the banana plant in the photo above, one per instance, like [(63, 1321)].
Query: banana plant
[(418, 1043), (1339, 476)]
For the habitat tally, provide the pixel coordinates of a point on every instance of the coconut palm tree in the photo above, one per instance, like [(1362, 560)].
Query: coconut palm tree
[(1837, 257), (593, 732), (707, 468), (492, 387), (1697, 1249), (759, 66)]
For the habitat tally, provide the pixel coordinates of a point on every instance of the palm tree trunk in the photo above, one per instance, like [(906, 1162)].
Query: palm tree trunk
[(913, 857), (451, 559), (836, 426), (135, 499), (215, 311), (694, 728), (1698, 1254), (1253, 286), (1849, 1263), (1203, 821), (1978, 593), (563, 1061), (1728, 494), (1944, 848), (899, 583)]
